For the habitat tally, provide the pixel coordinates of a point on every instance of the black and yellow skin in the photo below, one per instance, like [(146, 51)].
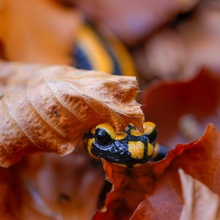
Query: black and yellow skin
[(94, 51), (130, 148)]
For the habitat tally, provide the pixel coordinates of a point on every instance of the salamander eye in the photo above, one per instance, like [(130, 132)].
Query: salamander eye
[(104, 134), (102, 137), (150, 130)]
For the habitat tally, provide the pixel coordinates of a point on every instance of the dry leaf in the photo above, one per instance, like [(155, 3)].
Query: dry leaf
[(50, 187), (56, 106), (154, 191), (200, 203), (181, 109)]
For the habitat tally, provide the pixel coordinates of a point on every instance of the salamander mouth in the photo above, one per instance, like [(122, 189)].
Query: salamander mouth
[(120, 154)]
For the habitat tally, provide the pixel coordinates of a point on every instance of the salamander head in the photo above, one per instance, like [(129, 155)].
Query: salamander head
[(130, 148)]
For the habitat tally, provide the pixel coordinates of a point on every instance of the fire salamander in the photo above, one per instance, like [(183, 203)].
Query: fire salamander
[(130, 148)]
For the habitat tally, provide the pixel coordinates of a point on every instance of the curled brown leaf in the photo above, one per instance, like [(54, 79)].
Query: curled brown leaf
[(182, 109), (51, 108), (153, 191), (199, 201)]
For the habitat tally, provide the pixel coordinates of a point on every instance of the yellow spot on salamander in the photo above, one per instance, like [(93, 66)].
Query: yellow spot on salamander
[(136, 148), (90, 42), (121, 164), (121, 136), (149, 127), (136, 132), (109, 129), (89, 147), (150, 149), (137, 165)]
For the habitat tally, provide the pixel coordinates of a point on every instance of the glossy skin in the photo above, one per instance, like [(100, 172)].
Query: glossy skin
[(130, 148)]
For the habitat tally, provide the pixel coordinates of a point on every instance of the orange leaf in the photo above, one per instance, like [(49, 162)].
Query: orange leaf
[(182, 109), (158, 185), (53, 107), (50, 187), (200, 201)]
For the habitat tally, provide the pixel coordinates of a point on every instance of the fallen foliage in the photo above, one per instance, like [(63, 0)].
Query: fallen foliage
[(154, 190), (197, 197), (40, 108), (181, 109)]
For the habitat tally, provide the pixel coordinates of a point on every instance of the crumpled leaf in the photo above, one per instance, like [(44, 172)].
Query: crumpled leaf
[(199, 201), (50, 187), (55, 106), (181, 109), (156, 186)]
